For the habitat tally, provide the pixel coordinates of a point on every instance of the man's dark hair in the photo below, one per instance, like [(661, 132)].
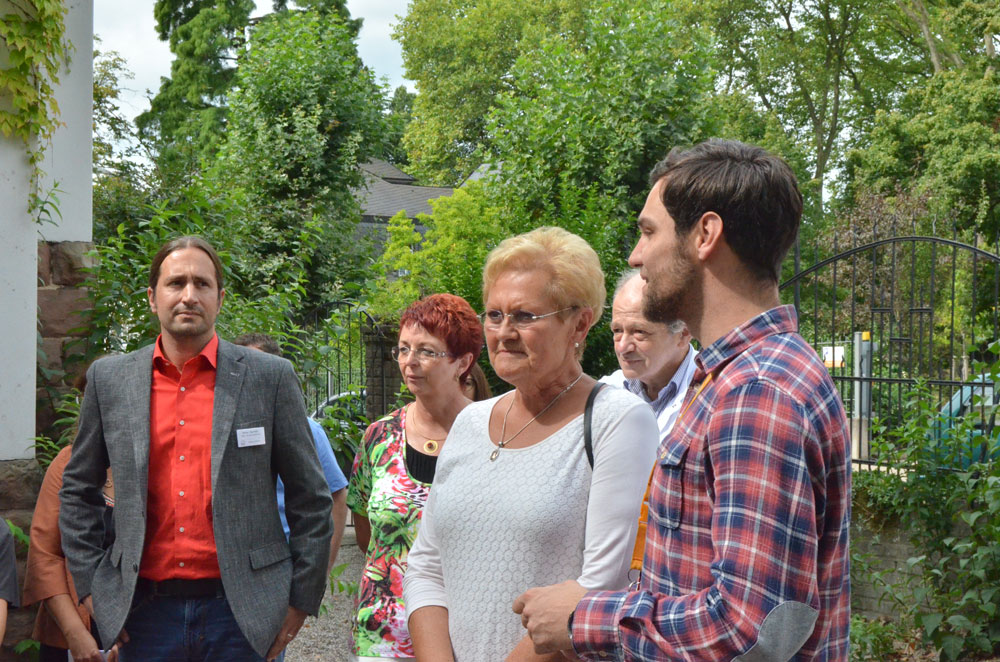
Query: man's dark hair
[(754, 193), (261, 341), (181, 243)]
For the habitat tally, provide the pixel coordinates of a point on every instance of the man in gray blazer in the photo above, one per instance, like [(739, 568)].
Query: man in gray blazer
[(195, 431)]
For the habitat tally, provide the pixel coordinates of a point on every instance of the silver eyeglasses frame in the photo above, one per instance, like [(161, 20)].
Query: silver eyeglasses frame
[(518, 319), (423, 354)]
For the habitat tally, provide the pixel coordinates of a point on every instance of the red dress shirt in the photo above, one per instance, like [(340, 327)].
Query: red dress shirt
[(180, 543)]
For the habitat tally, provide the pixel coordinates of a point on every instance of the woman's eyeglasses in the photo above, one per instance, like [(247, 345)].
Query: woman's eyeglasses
[(424, 355), (519, 319)]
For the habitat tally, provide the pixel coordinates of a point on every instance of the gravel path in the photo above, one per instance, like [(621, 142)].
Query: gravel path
[(328, 638)]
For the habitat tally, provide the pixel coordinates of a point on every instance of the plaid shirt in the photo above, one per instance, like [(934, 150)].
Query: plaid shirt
[(749, 510)]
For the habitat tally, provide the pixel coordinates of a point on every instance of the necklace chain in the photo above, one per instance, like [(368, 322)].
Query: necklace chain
[(430, 445), (503, 428)]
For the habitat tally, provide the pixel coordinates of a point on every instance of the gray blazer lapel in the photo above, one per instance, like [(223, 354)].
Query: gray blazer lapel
[(138, 384), (229, 374)]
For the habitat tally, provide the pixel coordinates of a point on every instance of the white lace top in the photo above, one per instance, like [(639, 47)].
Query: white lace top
[(536, 516)]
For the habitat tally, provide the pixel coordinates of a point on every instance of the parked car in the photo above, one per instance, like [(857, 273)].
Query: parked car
[(960, 444), (343, 417), (345, 405)]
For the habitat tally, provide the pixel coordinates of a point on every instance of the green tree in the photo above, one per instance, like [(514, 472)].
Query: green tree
[(303, 114), (448, 258), (186, 122), (942, 141), (596, 113), (122, 182), (573, 139), (823, 67), (324, 7), (186, 119), (459, 53), (952, 33), (400, 112)]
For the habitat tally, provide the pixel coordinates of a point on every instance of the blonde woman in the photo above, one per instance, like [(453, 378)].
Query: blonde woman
[(516, 502)]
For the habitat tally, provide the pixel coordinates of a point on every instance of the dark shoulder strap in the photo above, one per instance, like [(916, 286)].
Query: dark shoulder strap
[(588, 413)]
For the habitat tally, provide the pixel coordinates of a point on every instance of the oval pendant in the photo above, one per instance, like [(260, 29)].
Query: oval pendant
[(495, 454)]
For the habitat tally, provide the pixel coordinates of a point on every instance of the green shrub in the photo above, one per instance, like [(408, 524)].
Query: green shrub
[(947, 501)]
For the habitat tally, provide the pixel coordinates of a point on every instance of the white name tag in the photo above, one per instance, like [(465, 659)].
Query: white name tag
[(250, 437)]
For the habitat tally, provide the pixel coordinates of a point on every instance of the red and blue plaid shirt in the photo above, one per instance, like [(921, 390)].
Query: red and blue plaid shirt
[(749, 509)]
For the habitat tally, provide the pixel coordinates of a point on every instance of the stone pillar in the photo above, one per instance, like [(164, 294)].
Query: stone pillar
[(62, 302), (382, 378)]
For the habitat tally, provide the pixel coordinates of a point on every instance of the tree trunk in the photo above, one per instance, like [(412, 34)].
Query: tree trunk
[(917, 13)]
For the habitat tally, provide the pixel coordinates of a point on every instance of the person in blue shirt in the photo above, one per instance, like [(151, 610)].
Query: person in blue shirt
[(334, 476)]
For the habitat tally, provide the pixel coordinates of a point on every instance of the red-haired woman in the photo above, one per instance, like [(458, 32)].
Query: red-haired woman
[(440, 338)]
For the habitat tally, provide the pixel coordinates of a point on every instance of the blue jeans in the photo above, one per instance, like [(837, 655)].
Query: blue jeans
[(163, 629)]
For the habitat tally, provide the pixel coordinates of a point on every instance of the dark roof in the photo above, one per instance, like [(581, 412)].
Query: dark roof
[(387, 171), (381, 198)]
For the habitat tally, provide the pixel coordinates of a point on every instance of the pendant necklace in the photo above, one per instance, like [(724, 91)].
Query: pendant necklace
[(430, 445), (503, 428)]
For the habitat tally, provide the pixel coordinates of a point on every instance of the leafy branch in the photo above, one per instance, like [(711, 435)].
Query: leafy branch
[(33, 34)]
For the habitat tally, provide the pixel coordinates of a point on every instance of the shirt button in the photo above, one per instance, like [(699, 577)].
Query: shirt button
[(182, 458), (181, 529), (182, 422), (183, 389), (181, 564), (181, 492)]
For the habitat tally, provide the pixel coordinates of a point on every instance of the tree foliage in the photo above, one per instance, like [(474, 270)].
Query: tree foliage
[(122, 182), (459, 53), (584, 118), (303, 114), (186, 119), (186, 122), (325, 7), (597, 112), (821, 67), (944, 141), (449, 258), (400, 112)]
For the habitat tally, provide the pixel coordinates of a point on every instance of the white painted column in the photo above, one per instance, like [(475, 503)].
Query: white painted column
[(18, 268), (67, 162)]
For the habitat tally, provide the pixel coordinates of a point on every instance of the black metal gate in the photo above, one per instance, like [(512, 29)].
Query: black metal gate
[(885, 306), (338, 371)]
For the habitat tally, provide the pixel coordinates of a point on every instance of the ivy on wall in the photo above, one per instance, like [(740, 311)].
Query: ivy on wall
[(33, 34)]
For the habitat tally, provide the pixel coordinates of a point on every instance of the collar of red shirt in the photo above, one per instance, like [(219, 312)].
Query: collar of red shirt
[(210, 352), (781, 319)]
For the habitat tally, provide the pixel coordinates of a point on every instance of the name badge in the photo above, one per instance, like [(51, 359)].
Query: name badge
[(250, 437)]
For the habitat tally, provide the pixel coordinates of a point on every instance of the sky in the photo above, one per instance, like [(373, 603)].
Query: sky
[(127, 26)]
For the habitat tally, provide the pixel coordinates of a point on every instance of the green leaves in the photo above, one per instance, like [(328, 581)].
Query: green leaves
[(953, 590), (943, 140), (36, 51), (460, 53)]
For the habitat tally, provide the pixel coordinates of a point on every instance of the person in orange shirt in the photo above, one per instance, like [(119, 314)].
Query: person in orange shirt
[(195, 430), (62, 626)]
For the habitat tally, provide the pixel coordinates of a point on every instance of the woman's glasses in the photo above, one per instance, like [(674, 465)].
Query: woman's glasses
[(423, 354), (519, 319)]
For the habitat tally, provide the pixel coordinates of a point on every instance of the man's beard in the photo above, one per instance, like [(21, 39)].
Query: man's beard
[(664, 295)]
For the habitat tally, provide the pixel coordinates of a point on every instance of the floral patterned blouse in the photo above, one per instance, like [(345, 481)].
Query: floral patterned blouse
[(382, 490)]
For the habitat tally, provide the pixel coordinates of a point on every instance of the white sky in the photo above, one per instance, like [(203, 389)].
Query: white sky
[(127, 26)]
